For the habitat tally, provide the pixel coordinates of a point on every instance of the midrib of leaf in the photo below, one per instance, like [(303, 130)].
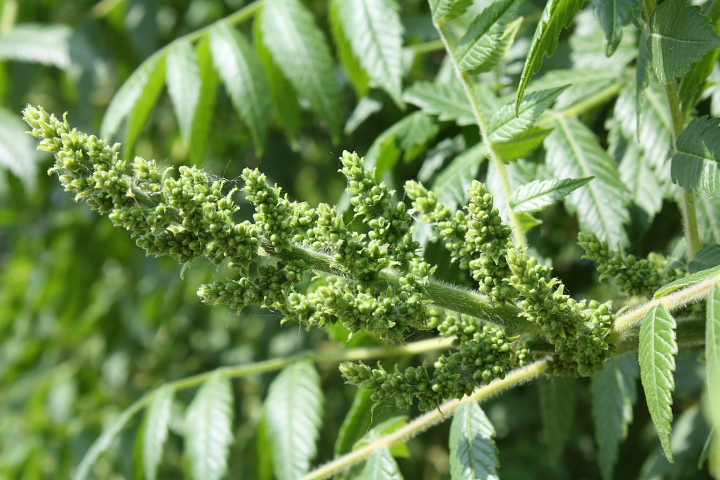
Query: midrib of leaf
[(586, 171), (679, 40)]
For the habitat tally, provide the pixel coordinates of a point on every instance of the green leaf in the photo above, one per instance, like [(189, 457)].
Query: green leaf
[(502, 49), (355, 423), (453, 183), (695, 81), (558, 14), (573, 151), (613, 15), (522, 145), (508, 123), (300, 50), (17, 151), (473, 454), (695, 165), (413, 134), (706, 258), (584, 83), (282, 93), (208, 429), (708, 212), (657, 350), (358, 77), (484, 33), (383, 429), (613, 396), (366, 107), (641, 75), (440, 8), (557, 411), (373, 29), (184, 85), (679, 35), (129, 94), (686, 282), (534, 196), (242, 73), (293, 411), (712, 356), (448, 102), (209, 81), (45, 44), (143, 108), (381, 466), (263, 454), (155, 430), (105, 440)]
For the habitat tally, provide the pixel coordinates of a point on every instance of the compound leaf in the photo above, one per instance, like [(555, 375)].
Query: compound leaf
[(535, 196), (208, 429), (679, 35), (657, 350), (613, 396), (293, 411), (573, 151), (242, 73), (484, 33), (302, 53), (473, 453), (695, 165)]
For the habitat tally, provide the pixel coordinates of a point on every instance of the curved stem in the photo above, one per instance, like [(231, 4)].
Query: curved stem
[(427, 420)]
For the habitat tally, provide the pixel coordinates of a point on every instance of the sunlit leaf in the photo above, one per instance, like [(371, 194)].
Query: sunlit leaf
[(657, 350), (686, 282), (381, 466), (453, 182), (17, 151), (484, 33), (473, 454), (446, 101), (535, 196), (209, 81), (208, 429), (46, 44), (356, 74), (613, 397), (184, 85), (695, 165), (712, 356), (523, 144), (155, 430), (508, 123), (383, 429), (143, 107), (355, 422)]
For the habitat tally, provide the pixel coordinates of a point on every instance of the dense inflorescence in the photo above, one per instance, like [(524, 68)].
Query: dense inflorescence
[(368, 279)]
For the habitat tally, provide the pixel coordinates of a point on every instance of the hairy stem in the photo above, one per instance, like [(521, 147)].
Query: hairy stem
[(481, 120), (423, 422)]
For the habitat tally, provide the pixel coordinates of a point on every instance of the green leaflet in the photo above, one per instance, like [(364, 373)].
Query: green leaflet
[(686, 282), (449, 9), (383, 429), (657, 350), (583, 83), (509, 122), (184, 85), (208, 429), (484, 33), (104, 441), (708, 210), (45, 44), (143, 108), (613, 15), (446, 101), (299, 48), (293, 411), (712, 356), (17, 151), (355, 423), (499, 53), (558, 14), (522, 145), (282, 94), (129, 94), (381, 466), (679, 35), (357, 75), (154, 431), (613, 396), (534, 196), (243, 76), (573, 151), (373, 29), (453, 183), (641, 76), (706, 258), (695, 165), (557, 411), (639, 177), (209, 81), (473, 454), (366, 107)]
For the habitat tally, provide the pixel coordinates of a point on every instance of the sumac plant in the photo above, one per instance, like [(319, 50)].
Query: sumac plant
[(456, 271)]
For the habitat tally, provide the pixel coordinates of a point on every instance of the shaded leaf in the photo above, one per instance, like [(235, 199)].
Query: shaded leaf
[(412, 135), (708, 212), (155, 430), (184, 85), (440, 8), (641, 75), (573, 151), (383, 429), (501, 50), (208, 429), (242, 73), (613, 396), (446, 101), (695, 165), (583, 83), (366, 107), (17, 151), (613, 15), (300, 50), (558, 14), (209, 81), (557, 412), (358, 77), (293, 411), (712, 356), (686, 282), (473, 454), (708, 257), (679, 35), (453, 183), (381, 466), (508, 123), (484, 33), (373, 29), (355, 423), (46, 44), (657, 350), (522, 145), (143, 108), (535, 196)]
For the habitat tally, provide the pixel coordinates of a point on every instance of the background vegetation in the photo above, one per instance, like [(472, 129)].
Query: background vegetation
[(88, 324)]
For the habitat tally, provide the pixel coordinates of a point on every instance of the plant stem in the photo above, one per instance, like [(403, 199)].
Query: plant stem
[(427, 420), (481, 120)]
